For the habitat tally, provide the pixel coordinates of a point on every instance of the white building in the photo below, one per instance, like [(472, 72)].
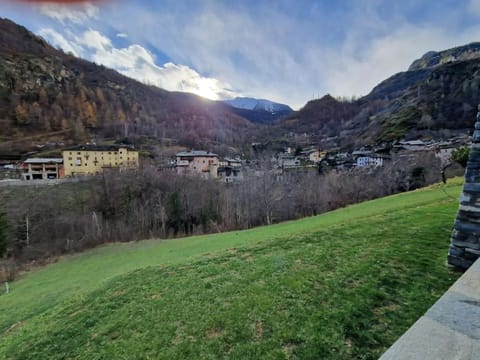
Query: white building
[(363, 161)]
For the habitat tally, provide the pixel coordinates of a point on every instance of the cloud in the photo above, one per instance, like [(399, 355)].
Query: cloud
[(94, 40), (138, 63), (69, 13), (287, 52), (354, 74), (290, 51), (59, 41)]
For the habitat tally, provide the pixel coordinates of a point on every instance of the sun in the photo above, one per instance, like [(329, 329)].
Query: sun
[(207, 88)]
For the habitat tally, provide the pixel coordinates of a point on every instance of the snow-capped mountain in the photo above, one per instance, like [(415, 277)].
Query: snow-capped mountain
[(258, 104)]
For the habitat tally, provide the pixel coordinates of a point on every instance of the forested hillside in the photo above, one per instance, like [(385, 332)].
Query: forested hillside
[(431, 101), (47, 95)]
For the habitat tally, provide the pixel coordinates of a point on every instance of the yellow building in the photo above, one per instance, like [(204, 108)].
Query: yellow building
[(92, 159)]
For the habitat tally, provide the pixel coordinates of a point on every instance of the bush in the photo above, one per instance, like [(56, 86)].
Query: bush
[(460, 156)]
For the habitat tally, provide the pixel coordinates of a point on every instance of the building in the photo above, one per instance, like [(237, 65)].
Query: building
[(42, 169), (444, 153), (230, 170), (316, 156), (196, 162), (92, 159), (363, 161)]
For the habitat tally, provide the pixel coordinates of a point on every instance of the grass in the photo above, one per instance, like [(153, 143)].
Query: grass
[(341, 285)]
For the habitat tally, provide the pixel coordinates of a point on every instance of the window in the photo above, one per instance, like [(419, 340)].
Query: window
[(78, 153), (70, 158)]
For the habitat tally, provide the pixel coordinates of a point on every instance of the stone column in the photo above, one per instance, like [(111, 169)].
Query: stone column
[(465, 241)]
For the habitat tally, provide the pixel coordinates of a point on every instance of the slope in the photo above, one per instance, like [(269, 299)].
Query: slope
[(339, 285), (436, 98), (49, 96)]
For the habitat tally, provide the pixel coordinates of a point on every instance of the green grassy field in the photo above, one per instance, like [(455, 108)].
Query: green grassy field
[(344, 284)]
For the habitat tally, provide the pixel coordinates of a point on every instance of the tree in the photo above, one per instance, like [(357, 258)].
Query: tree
[(3, 234)]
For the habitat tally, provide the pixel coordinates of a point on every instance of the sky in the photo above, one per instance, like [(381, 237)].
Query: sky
[(289, 51)]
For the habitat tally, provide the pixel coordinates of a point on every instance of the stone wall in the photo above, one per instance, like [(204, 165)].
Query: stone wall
[(465, 241)]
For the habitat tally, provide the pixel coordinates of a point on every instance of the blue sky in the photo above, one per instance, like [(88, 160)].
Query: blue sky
[(283, 50)]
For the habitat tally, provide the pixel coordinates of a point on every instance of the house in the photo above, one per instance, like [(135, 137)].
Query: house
[(92, 159), (42, 169), (444, 154), (230, 170), (290, 163), (363, 161), (316, 156), (411, 145), (197, 162)]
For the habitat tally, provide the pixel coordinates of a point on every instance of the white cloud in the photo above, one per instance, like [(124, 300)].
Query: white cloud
[(63, 13), (356, 75), (59, 41), (273, 51), (94, 40), (267, 53), (179, 78), (137, 62)]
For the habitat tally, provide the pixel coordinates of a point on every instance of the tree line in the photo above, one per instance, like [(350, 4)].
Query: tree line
[(149, 203)]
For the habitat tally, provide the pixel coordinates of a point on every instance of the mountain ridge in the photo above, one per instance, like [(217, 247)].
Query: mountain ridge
[(45, 91), (47, 96), (434, 101)]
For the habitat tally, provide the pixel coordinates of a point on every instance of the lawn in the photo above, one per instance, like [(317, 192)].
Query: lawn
[(344, 284)]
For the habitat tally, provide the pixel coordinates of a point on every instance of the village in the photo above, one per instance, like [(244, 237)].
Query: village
[(92, 159)]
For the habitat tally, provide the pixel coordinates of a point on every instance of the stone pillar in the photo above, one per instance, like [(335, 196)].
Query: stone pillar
[(465, 241)]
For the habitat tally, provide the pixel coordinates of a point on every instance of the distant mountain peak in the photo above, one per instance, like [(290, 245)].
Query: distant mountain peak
[(249, 103), (258, 110)]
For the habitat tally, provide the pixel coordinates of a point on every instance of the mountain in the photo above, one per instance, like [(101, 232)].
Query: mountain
[(434, 58), (49, 96), (258, 104), (259, 110), (435, 98)]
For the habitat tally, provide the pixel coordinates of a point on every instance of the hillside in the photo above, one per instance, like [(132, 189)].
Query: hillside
[(51, 98), (342, 285), (436, 98), (436, 58), (47, 96)]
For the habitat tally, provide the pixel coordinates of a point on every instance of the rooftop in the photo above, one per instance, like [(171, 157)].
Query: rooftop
[(114, 147), (44, 161), (195, 153)]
